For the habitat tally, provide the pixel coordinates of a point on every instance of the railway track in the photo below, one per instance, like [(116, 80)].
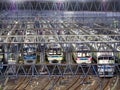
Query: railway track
[(47, 83), (110, 83), (73, 83), (102, 84), (51, 85), (20, 80), (107, 83), (23, 83), (79, 85), (36, 83), (76, 83)]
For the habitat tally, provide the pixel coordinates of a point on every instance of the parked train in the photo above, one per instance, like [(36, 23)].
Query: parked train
[(105, 64), (83, 55), (29, 54), (54, 52), (29, 50)]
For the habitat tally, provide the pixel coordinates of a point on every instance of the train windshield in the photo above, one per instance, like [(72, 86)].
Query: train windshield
[(27, 49), (105, 58), (54, 52), (83, 54), (33, 54)]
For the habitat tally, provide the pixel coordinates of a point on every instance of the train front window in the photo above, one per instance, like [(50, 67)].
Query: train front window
[(34, 54), (106, 58), (59, 52), (32, 49), (111, 58), (54, 52), (29, 49), (81, 54), (50, 52), (101, 58), (27, 54)]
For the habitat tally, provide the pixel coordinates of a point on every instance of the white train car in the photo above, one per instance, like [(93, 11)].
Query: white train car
[(55, 52), (82, 56), (105, 63)]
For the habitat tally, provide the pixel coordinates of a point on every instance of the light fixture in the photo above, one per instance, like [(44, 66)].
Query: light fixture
[(60, 1), (105, 0), (16, 1)]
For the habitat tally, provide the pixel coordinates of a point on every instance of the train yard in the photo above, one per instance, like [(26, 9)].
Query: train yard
[(60, 83), (59, 45), (36, 51)]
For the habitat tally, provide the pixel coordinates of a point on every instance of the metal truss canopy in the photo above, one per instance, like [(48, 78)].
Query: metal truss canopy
[(53, 70), (55, 0), (66, 5), (62, 38)]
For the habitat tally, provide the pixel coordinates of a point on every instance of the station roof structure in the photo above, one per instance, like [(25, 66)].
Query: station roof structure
[(64, 5), (56, 0)]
